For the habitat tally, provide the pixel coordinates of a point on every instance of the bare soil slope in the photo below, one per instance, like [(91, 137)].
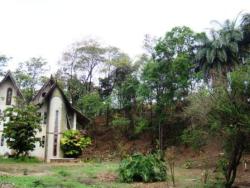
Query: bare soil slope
[(109, 144)]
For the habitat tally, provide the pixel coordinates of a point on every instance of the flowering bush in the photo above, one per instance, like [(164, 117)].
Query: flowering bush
[(73, 143)]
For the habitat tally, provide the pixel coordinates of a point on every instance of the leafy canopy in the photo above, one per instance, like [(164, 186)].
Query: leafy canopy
[(91, 104), (21, 127)]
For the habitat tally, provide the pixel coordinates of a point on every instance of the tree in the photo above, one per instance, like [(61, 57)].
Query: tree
[(115, 59), (30, 76), (125, 85), (77, 89), (127, 93), (3, 63), (225, 112), (149, 44), (105, 90), (220, 54), (168, 76), (82, 59), (74, 88), (119, 84), (78, 66), (112, 55), (90, 55), (20, 128), (245, 42), (68, 75), (177, 41), (91, 104)]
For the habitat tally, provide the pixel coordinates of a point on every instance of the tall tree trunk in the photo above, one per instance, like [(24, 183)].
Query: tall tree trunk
[(151, 113), (234, 160), (107, 115), (160, 136), (218, 78), (90, 81)]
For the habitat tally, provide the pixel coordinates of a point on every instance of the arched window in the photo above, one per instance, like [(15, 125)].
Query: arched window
[(56, 134), (9, 96), (2, 141)]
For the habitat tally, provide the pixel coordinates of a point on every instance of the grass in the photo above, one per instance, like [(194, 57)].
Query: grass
[(60, 175), (31, 174), (19, 160)]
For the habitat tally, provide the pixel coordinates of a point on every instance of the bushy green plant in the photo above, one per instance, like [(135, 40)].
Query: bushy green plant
[(38, 183), (120, 121), (188, 164), (73, 143), (141, 125), (194, 138), (145, 168), (63, 173), (91, 104)]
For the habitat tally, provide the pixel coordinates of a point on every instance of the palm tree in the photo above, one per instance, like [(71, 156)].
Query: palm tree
[(245, 42), (219, 54)]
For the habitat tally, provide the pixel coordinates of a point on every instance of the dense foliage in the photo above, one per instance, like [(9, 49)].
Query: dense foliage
[(227, 116), (21, 128), (92, 104), (195, 138), (73, 143), (145, 168)]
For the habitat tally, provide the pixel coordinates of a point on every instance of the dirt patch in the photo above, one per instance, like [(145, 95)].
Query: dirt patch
[(87, 181), (6, 185), (107, 177), (110, 144), (242, 185), (151, 185), (22, 169), (4, 174)]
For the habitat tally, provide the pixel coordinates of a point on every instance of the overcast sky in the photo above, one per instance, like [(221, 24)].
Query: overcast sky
[(31, 28)]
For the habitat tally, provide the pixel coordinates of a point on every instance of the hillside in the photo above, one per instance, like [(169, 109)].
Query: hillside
[(108, 144)]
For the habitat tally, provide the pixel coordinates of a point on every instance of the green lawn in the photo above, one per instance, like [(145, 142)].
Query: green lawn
[(25, 175), (30, 174)]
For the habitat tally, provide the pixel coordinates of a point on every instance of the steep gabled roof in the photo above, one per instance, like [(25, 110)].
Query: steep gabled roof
[(51, 85), (10, 76)]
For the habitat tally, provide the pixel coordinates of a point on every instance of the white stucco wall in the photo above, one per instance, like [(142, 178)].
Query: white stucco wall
[(4, 149), (3, 93), (39, 151), (56, 103)]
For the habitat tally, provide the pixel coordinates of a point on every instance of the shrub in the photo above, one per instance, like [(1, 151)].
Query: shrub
[(188, 164), (194, 138), (120, 122), (141, 125), (145, 168), (73, 143)]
